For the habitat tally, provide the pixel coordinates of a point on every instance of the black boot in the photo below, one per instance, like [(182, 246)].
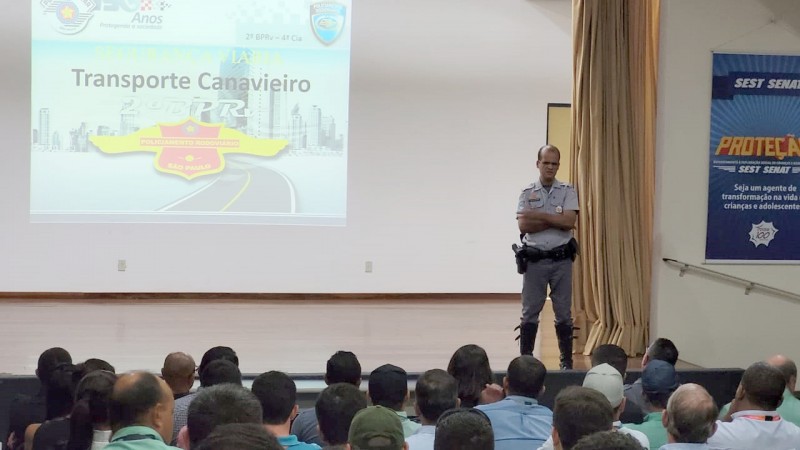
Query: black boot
[(527, 337), (564, 334)]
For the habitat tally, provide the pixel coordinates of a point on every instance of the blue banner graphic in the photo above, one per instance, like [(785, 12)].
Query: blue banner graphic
[(754, 151)]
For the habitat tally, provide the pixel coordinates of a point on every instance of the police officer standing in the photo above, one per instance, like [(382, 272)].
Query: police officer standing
[(546, 215)]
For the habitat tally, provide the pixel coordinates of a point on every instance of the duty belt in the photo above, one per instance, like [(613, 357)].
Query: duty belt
[(556, 254)]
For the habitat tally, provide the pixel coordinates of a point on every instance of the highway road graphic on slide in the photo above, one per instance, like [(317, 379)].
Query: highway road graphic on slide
[(240, 189)]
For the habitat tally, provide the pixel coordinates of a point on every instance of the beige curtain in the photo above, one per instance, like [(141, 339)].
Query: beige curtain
[(613, 148)]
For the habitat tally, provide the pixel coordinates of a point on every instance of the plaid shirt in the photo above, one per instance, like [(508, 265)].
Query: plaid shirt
[(181, 413)]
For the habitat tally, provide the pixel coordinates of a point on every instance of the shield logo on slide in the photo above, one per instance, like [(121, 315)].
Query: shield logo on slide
[(69, 17), (189, 148), (327, 21)]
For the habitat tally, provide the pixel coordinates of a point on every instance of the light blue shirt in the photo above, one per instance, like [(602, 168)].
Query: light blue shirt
[(423, 438), (291, 442), (518, 422), (560, 198), (685, 447), (748, 433)]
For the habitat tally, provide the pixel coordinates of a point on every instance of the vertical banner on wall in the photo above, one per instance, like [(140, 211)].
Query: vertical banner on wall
[(753, 198)]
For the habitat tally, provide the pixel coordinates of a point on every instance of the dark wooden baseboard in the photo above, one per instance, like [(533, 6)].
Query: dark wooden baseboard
[(224, 297)]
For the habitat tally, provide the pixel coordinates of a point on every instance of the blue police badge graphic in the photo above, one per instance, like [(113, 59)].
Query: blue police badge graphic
[(69, 17), (327, 21)]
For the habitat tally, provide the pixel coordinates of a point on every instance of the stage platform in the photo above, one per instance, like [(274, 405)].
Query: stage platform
[(294, 336)]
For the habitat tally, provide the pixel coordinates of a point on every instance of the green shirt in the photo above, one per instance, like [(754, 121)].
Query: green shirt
[(138, 438), (409, 427), (653, 429), (789, 409)]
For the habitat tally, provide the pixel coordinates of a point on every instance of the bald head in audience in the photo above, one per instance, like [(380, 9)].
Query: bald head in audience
[(788, 368), (178, 372), (691, 415), (142, 399)]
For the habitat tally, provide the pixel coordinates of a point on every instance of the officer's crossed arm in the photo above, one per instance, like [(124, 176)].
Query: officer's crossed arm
[(529, 225), (533, 221)]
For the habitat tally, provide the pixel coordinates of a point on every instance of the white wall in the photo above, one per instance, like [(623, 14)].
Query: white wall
[(713, 324), (448, 105)]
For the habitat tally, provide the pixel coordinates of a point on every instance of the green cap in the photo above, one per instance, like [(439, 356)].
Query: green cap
[(376, 428)]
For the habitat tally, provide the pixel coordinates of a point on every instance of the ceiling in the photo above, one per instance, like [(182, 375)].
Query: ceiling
[(785, 12)]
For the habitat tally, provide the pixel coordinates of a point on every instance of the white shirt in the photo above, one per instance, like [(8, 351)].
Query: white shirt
[(422, 439), (745, 433), (638, 435), (684, 447), (100, 439)]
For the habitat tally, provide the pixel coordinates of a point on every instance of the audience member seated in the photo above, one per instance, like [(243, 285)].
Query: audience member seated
[(606, 380), (469, 365), (342, 367), (436, 392), (219, 365), (519, 421), (463, 429), (607, 440), (689, 418), (94, 364), (60, 398), (218, 405), (141, 413), (790, 406), (659, 380), (277, 394), (376, 428), (178, 372), (240, 436), (90, 426), (616, 357), (336, 406), (754, 422), (25, 410), (579, 412), (388, 387), (661, 350)]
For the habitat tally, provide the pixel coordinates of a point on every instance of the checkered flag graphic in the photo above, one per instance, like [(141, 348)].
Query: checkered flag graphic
[(293, 12), (164, 5), (146, 5)]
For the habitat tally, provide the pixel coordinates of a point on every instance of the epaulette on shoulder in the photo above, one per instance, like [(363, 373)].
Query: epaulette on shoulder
[(530, 186)]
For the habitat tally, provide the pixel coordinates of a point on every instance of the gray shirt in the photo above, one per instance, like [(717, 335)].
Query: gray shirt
[(305, 427), (560, 198)]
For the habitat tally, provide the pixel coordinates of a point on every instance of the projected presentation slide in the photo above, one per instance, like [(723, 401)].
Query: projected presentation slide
[(190, 111)]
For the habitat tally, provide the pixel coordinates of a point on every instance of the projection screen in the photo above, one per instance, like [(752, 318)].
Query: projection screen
[(189, 111)]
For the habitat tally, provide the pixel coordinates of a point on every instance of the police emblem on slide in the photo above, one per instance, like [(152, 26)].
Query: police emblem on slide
[(190, 148), (69, 17), (327, 21), (762, 233)]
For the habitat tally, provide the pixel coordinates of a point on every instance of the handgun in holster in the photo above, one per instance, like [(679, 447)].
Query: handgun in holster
[(574, 248), (521, 257)]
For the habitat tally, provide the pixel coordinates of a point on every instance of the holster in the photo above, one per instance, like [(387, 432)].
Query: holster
[(521, 258), (573, 249)]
